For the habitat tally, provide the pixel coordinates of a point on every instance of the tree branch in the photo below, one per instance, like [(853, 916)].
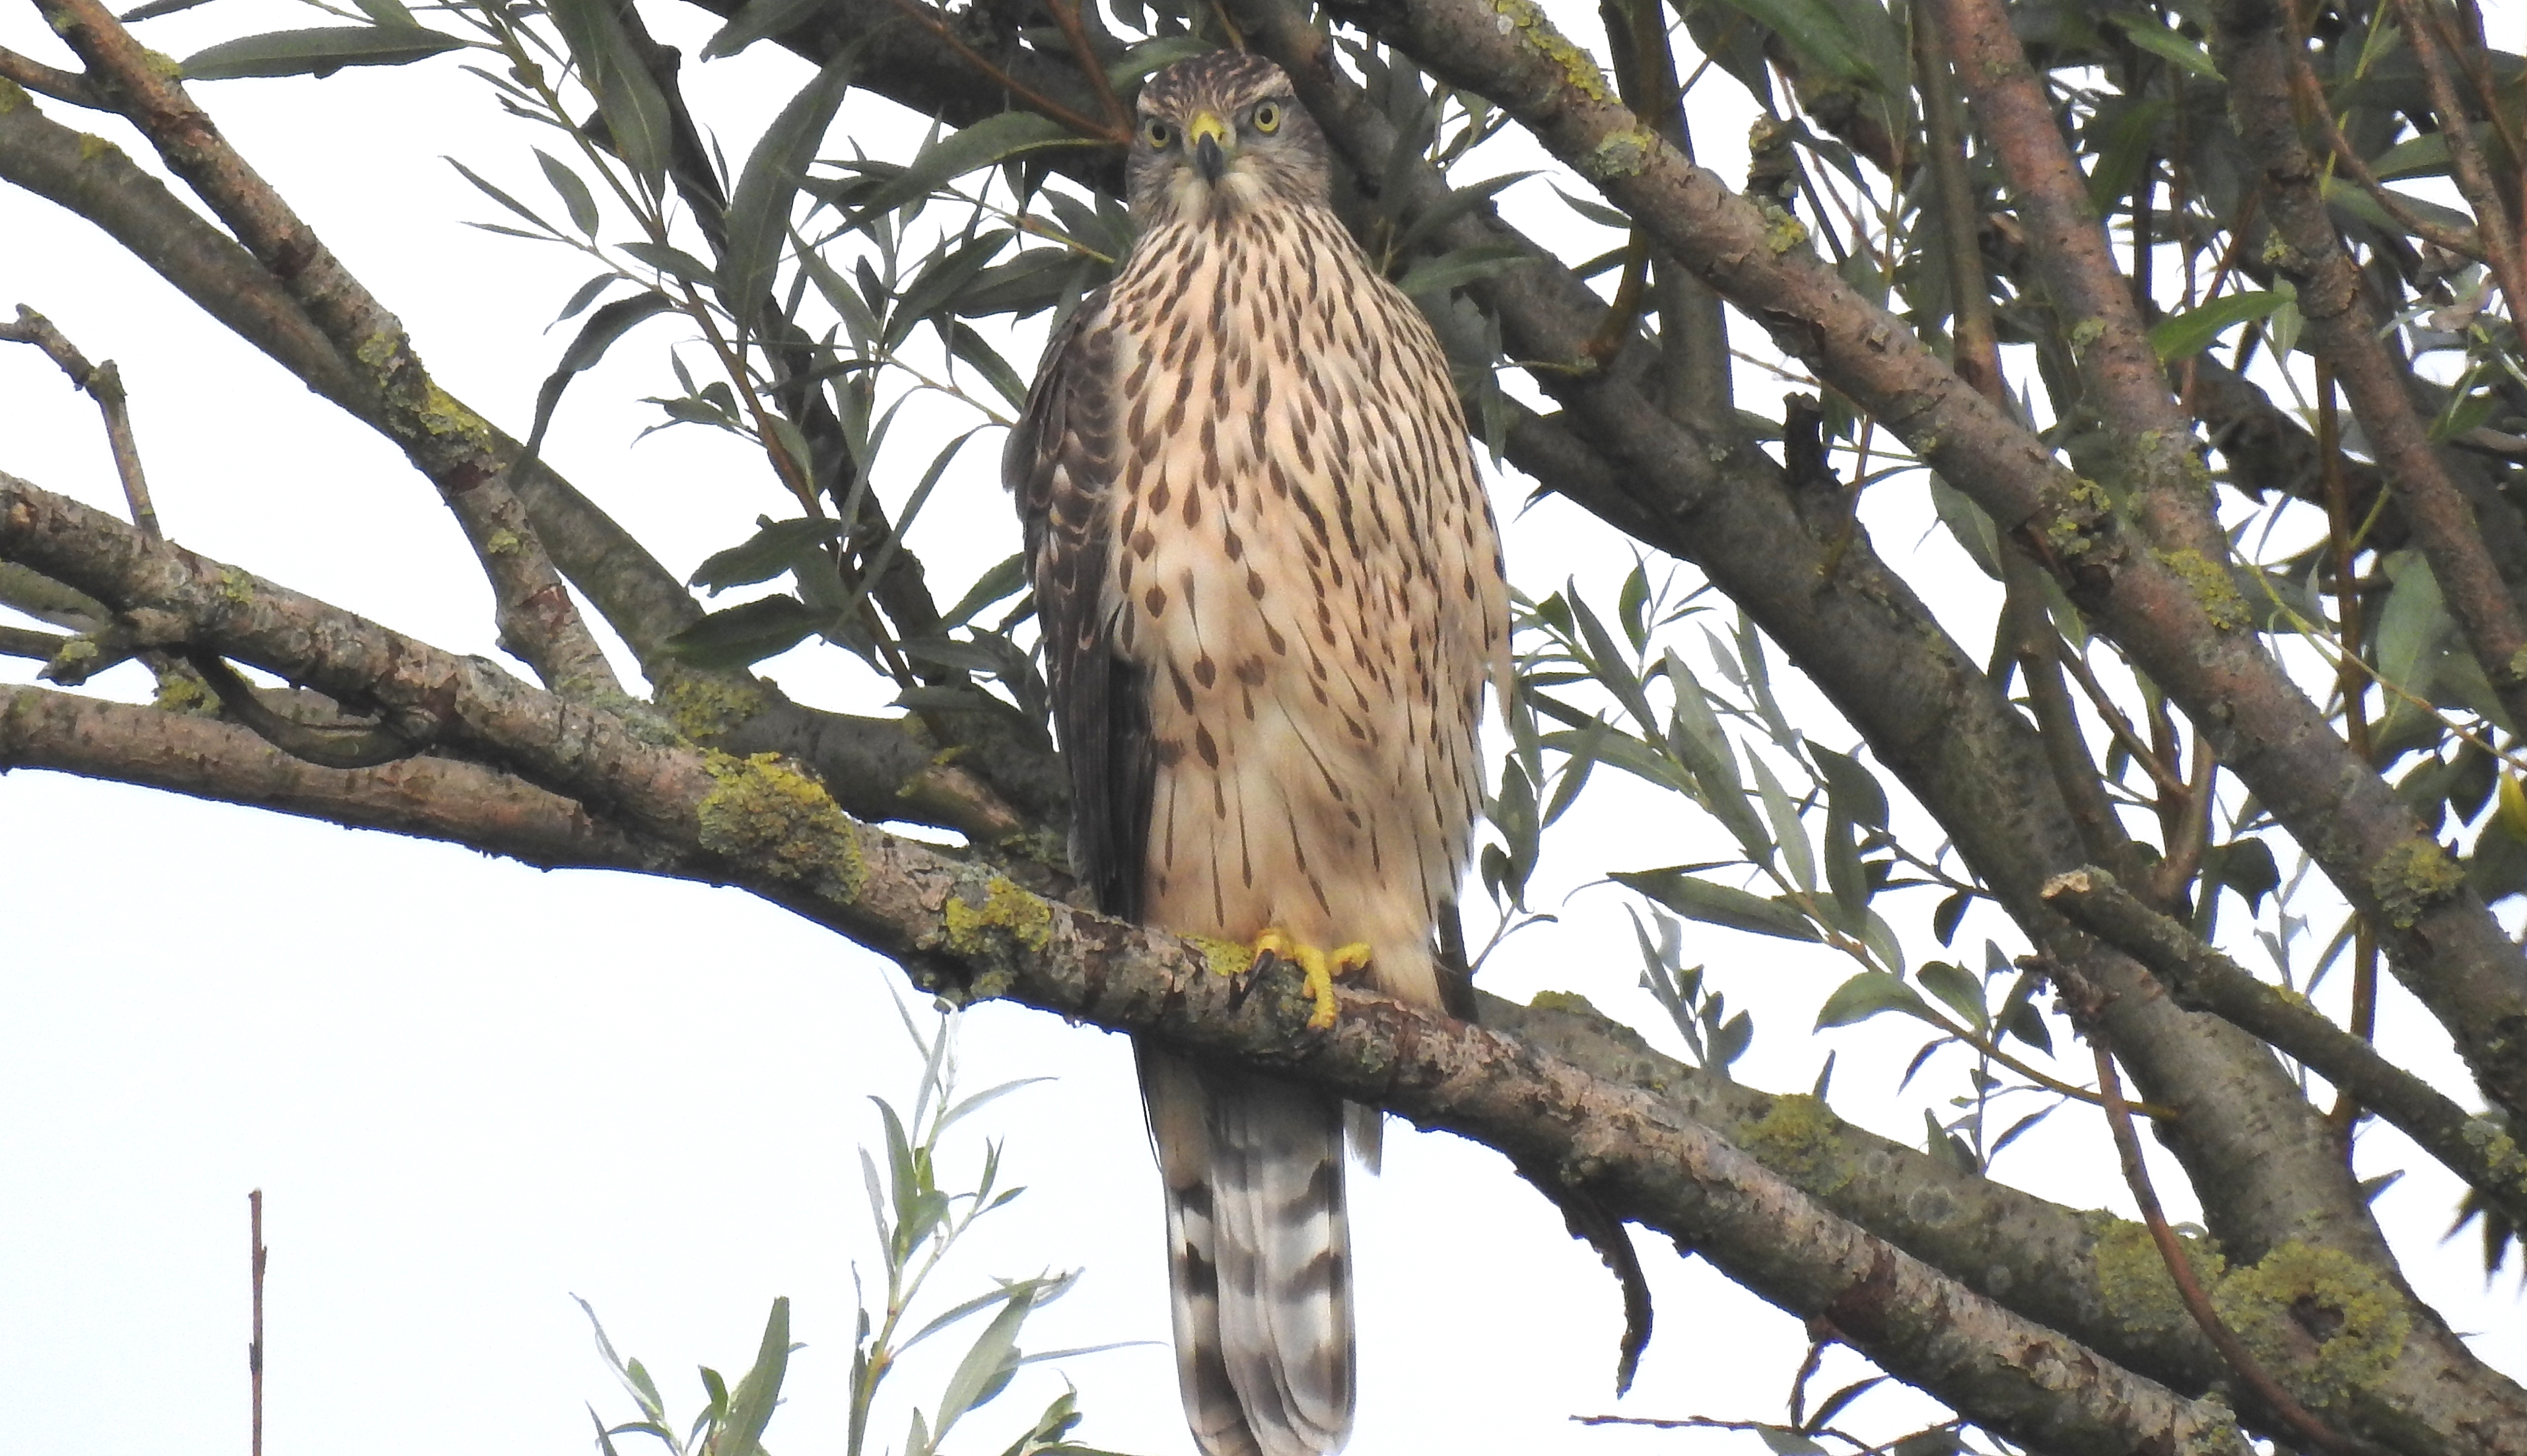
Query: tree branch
[(963, 930), (2344, 329), (450, 445), (48, 80), (2200, 979), (102, 383), (2174, 612), (880, 768), (429, 798), (2153, 440)]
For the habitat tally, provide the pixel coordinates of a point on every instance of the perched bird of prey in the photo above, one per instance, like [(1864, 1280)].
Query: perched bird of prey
[(1270, 592)]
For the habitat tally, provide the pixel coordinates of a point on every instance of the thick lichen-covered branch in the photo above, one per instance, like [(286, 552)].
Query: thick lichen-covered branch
[(964, 930)]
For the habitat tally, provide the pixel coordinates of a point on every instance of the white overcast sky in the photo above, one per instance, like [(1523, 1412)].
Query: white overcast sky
[(470, 1090)]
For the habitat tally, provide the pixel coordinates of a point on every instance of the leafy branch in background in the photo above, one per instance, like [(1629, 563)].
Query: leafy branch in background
[(918, 1224)]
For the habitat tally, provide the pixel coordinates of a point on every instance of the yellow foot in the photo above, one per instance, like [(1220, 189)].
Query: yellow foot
[(1318, 968)]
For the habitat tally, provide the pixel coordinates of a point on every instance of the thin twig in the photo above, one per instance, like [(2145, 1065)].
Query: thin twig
[(343, 746), (2185, 855), (103, 383), (2160, 772), (2356, 707), (1973, 348), (1622, 315), (2179, 1268), (1066, 15), (20, 641), (2312, 93), (254, 1350), (2465, 159), (1707, 1423), (49, 80), (920, 15)]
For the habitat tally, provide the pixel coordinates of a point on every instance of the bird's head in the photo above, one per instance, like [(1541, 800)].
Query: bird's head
[(1220, 134)]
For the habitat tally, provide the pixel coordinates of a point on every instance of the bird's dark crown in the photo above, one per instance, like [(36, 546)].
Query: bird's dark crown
[(1223, 80)]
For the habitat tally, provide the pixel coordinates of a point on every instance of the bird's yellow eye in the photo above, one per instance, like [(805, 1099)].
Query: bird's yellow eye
[(1157, 133), (1267, 117)]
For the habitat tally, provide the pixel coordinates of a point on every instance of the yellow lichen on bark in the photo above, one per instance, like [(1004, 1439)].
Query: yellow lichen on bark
[(2132, 1279), (1800, 1139), (2321, 1321), (2412, 877), (2213, 588), (767, 813), (1578, 67), (702, 708)]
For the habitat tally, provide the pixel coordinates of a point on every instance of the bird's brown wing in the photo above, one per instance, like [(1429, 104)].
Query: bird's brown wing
[(1060, 463)]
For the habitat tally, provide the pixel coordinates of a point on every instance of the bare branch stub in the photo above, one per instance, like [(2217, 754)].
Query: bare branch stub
[(102, 383)]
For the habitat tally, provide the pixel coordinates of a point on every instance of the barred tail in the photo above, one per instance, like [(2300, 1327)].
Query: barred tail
[(1258, 1255)]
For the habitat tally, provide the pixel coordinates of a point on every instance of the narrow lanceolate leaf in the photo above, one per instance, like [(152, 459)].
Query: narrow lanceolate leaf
[(1719, 905), (755, 20), (1151, 56), (1817, 30), (1695, 739), (986, 143), (2194, 330), (1613, 668), (2168, 45), (1957, 986), (1788, 834), (627, 95), (1452, 207), (772, 550), (487, 189), (1844, 874), (1867, 995), (672, 261), (998, 584), (746, 635), (750, 1404), (1464, 265), (1851, 788), (759, 210), (573, 193), (2409, 633), (987, 1365), (320, 51), (595, 337), (2347, 195)]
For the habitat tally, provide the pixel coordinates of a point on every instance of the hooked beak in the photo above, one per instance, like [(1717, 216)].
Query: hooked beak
[(1209, 135)]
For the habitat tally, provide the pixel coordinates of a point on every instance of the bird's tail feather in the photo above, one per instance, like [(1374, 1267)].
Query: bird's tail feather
[(1258, 1255)]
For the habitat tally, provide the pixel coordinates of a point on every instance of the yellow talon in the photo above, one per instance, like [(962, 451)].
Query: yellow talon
[(1317, 969)]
